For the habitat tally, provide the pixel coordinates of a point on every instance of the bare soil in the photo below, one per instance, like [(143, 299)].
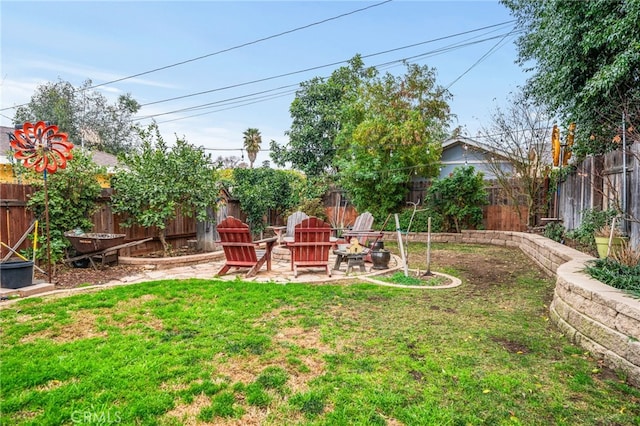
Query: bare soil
[(489, 266), (70, 277)]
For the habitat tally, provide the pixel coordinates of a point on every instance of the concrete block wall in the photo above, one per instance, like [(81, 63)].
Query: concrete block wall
[(599, 318)]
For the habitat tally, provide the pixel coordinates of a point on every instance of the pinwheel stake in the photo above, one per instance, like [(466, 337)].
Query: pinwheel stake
[(44, 149)]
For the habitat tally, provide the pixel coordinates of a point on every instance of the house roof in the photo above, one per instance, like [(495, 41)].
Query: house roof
[(463, 140), (100, 158)]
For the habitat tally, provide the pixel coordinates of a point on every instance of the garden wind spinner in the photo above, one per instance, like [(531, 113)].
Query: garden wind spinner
[(41, 147)]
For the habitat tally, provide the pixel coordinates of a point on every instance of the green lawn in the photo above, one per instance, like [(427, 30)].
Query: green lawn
[(196, 352)]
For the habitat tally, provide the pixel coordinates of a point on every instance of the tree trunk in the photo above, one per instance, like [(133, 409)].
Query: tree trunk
[(163, 241)]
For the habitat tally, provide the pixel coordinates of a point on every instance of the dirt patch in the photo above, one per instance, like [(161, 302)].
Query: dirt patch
[(511, 346), (82, 326), (71, 277)]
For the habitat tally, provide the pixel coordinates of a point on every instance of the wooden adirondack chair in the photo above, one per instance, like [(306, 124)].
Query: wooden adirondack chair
[(239, 248), (362, 229), (285, 233), (293, 220), (311, 245)]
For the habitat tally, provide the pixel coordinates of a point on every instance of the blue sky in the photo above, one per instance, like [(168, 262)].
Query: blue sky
[(106, 41)]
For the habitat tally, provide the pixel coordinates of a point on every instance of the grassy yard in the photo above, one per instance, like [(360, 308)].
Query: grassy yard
[(198, 352)]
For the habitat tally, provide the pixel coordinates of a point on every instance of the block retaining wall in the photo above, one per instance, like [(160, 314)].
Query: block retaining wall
[(599, 318)]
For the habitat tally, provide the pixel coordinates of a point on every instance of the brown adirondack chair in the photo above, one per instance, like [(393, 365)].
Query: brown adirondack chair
[(239, 248), (311, 245)]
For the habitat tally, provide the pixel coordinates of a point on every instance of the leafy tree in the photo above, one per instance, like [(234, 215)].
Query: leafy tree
[(252, 142), (85, 115), (459, 199), (392, 130), (586, 61), (316, 115), (262, 189), (521, 136), (73, 194), (159, 180)]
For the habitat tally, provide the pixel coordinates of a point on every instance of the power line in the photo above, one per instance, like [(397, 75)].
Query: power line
[(231, 107), (323, 66), (482, 58), (227, 49), (242, 45), (386, 64), (202, 106)]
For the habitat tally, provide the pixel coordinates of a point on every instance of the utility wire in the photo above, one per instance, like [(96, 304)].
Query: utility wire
[(482, 58), (227, 49), (386, 64), (242, 45), (321, 66)]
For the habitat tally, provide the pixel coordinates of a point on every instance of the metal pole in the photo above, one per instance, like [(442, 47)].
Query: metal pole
[(46, 218)]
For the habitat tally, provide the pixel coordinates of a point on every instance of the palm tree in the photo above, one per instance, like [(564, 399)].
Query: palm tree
[(252, 141)]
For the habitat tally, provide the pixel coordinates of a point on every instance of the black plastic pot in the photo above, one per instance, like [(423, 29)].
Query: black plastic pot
[(16, 274)]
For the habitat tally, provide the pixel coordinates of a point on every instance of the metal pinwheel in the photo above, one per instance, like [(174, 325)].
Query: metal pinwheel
[(41, 147), (45, 149)]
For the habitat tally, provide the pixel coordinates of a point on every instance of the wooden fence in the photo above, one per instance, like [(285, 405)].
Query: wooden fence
[(16, 219), (602, 182), (497, 216)]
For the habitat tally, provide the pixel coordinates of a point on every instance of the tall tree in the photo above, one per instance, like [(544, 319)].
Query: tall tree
[(316, 120), (585, 56), (391, 131), (252, 142), (158, 180), (85, 115), (521, 136)]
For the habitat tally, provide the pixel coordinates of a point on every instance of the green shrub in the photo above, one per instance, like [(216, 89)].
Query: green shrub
[(610, 272), (554, 231), (459, 199), (592, 219), (73, 193)]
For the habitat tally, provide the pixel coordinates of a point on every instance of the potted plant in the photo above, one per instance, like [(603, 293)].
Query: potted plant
[(607, 234)]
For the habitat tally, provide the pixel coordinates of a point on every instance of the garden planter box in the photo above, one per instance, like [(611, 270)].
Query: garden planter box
[(16, 274)]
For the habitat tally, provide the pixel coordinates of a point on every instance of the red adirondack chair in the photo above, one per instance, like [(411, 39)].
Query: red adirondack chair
[(239, 248), (311, 245)]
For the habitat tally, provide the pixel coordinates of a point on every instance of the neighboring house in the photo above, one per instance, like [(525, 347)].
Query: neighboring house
[(6, 166), (462, 151)]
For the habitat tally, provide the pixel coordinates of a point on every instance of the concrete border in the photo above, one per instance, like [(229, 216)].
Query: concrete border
[(599, 318), (455, 282)]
